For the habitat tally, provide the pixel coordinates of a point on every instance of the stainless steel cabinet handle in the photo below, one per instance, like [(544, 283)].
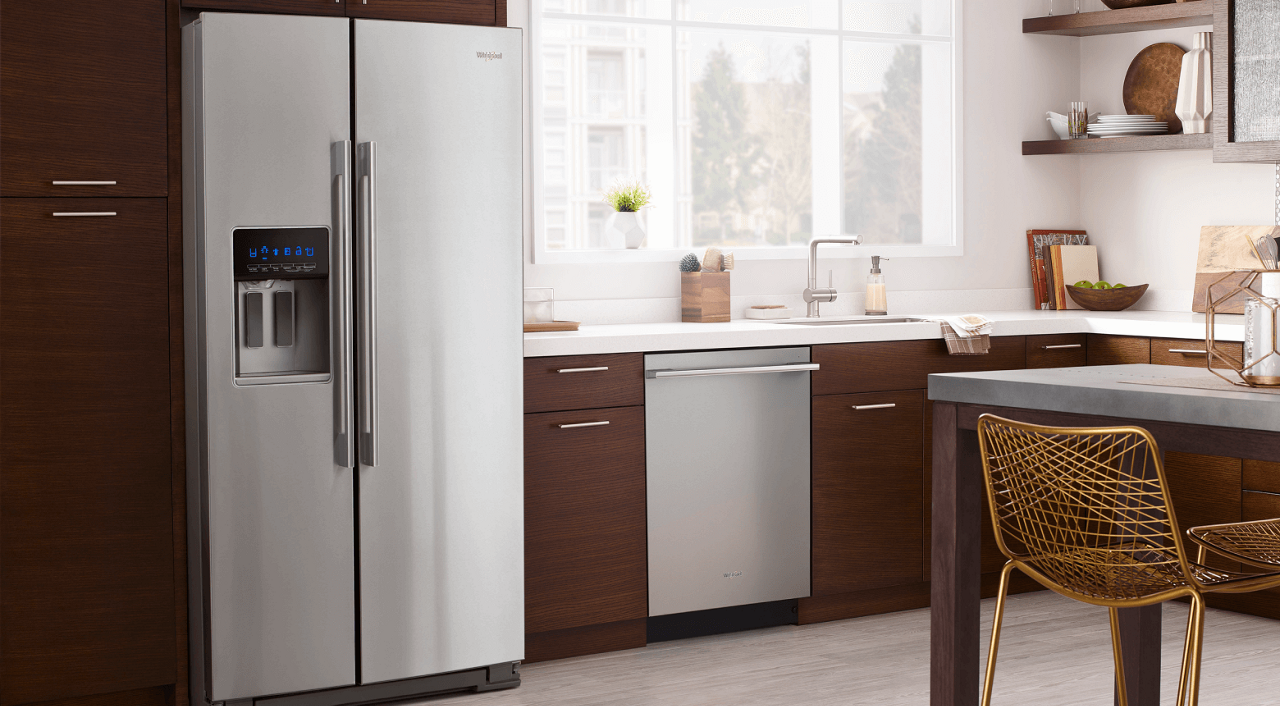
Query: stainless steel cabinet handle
[(583, 370), (340, 158), (1188, 351), (367, 171), (84, 183), (795, 368), (80, 214), (1060, 346), (582, 424), (860, 407)]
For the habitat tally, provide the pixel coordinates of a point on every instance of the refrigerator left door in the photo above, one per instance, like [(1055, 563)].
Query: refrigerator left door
[(267, 103)]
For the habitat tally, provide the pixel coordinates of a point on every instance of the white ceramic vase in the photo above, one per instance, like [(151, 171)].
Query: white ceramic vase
[(1195, 87), (623, 230)]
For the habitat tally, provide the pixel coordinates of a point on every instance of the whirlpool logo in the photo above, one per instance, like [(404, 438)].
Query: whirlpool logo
[(488, 55)]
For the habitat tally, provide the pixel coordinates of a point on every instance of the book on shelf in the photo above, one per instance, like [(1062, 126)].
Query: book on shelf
[(1038, 243), (1070, 264)]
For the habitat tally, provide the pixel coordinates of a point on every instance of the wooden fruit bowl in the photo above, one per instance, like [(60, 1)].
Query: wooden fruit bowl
[(1107, 299)]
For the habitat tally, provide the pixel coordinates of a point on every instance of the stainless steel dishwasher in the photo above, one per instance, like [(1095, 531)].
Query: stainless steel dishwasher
[(727, 445)]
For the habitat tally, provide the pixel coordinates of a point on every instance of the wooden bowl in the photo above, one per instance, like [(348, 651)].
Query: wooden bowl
[(1107, 299), (1122, 4)]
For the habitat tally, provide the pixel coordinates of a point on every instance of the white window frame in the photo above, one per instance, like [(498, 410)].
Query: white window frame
[(533, 60)]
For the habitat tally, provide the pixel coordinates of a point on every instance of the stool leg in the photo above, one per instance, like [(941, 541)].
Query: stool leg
[(1189, 682), (1121, 688), (995, 634)]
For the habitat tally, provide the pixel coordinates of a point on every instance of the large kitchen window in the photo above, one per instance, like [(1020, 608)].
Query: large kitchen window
[(758, 124)]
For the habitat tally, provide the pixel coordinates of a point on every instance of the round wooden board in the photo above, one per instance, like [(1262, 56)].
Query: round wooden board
[(1151, 84)]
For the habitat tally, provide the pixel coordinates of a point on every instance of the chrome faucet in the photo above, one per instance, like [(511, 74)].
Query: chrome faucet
[(814, 294)]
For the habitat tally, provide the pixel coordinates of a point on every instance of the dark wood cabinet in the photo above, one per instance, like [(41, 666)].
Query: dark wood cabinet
[(1205, 491), (1056, 351), (583, 382), (1117, 350), (87, 575), (1188, 353), (83, 98), (470, 12), (904, 365), (868, 491), (284, 7), (586, 562)]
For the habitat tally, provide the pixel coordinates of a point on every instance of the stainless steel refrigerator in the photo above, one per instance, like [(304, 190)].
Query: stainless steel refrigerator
[(352, 218)]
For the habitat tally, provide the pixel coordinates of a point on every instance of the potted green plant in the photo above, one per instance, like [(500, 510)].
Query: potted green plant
[(623, 228)]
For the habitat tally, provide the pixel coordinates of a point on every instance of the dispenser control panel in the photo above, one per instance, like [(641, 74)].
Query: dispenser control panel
[(280, 253)]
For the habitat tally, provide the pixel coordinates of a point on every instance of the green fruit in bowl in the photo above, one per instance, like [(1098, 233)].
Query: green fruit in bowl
[(1083, 284), (1117, 286), (1102, 285)]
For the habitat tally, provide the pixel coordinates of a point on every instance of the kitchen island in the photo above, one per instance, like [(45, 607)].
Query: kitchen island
[(1201, 421)]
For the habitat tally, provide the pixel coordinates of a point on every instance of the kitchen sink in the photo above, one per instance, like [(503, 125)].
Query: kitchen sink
[(852, 320)]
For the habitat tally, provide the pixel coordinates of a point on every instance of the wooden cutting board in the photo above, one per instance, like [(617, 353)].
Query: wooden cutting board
[(1224, 249), (1151, 84)]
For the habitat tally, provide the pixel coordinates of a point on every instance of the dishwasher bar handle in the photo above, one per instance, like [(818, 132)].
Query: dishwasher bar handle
[(795, 368)]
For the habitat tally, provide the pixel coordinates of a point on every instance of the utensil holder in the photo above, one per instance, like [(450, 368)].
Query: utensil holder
[(704, 297)]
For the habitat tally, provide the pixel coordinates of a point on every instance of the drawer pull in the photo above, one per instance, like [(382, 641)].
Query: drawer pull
[(1263, 492), (583, 370), (581, 425), (75, 214), (1188, 351), (84, 183), (1060, 346), (875, 406)]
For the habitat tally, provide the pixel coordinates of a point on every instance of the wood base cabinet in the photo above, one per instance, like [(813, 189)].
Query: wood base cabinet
[(86, 509), (586, 575)]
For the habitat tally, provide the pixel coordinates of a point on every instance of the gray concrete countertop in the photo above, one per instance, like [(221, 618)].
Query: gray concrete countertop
[(1102, 391), (747, 333)]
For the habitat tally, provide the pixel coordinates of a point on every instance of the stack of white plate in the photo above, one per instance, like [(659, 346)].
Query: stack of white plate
[(1123, 125)]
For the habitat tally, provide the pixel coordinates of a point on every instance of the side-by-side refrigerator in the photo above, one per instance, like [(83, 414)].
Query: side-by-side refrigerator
[(352, 218)]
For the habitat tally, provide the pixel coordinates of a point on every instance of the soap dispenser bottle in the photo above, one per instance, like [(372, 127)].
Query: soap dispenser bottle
[(877, 301)]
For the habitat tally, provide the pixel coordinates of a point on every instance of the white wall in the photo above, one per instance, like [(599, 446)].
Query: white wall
[(1143, 210)]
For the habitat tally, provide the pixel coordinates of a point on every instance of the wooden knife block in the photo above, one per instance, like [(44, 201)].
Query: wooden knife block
[(704, 297)]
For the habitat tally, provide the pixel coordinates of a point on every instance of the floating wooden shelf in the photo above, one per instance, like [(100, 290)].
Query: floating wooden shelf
[(1098, 145), (1134, 19)]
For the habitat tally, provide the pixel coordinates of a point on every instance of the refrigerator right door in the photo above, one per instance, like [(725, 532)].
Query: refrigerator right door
[(440, 434)]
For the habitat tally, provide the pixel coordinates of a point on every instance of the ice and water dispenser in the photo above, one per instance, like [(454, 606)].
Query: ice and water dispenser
[(282, 304)]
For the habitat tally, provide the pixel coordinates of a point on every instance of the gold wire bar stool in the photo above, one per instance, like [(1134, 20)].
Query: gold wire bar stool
[(1255, 543), (1086, 513)]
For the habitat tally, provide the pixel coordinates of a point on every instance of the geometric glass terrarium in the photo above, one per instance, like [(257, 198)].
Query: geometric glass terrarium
[(1259, 292)]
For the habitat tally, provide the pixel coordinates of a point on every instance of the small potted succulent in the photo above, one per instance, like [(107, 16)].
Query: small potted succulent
[(623, 229)]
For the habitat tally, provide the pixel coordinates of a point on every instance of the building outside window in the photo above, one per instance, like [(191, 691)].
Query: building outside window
[(758, 124)]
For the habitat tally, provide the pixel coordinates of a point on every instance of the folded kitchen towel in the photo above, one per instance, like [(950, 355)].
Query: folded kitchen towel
[(966, 335)]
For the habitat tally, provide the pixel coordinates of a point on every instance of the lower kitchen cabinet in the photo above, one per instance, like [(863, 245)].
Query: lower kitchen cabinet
[(586, 577), (87, 585), (470, 12), (868, 491), (1205, 491), (1065, 350), (1117, 350)]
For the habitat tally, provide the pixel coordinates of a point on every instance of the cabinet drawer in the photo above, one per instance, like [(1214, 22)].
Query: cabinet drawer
[(584, 517), (904, 365), (1188, 353), (1117, 350), (868, 491), (288, 7), (1059, 351), (1262, 476), (583, 382), (1260, 506)]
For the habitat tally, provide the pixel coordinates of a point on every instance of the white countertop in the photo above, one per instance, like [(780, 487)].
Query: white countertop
[(747, 333)]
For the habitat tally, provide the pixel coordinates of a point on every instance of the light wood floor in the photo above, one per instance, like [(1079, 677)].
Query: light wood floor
[(1054, 652)]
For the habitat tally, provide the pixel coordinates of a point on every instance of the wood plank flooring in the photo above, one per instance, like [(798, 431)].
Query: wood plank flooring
[(1053, 652)]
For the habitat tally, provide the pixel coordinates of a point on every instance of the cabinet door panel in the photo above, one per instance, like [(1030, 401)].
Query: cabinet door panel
[(82, 98), (584, 515), (285, 7), (468, 12), (1187, 353), (1262, 476), (1205, 491), (868, 491), (86, 513), (1117, 350)]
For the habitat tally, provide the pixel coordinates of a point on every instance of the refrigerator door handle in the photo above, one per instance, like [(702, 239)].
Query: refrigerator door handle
[(340, 158), (367, 196)]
